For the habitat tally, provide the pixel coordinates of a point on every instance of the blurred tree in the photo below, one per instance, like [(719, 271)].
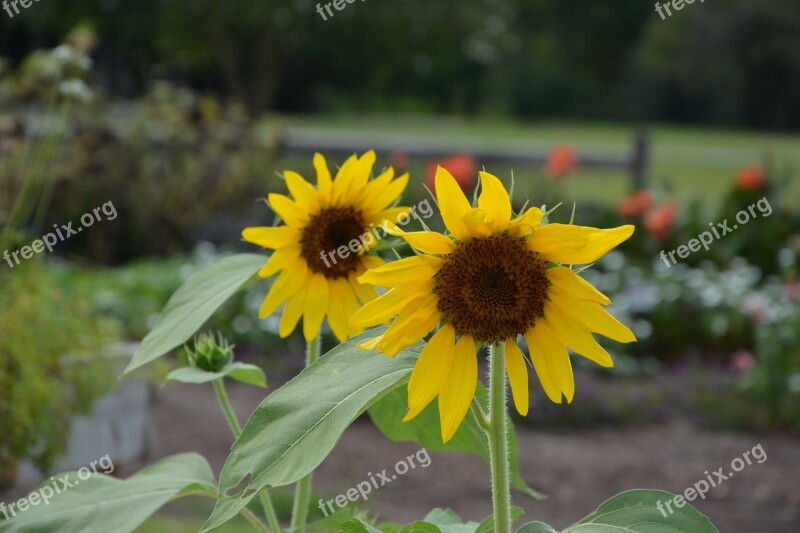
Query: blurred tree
[(731, 63)]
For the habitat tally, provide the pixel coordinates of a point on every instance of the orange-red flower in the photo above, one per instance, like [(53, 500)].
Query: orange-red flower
[(463, 167), (636, 204), (659, 220), (563, 160), (750, 178)]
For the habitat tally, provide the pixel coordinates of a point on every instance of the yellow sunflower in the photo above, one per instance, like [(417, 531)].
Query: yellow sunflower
[(496, 278), (321, 249)]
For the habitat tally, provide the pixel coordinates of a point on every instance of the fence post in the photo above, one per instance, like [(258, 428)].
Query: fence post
[(640, 160)]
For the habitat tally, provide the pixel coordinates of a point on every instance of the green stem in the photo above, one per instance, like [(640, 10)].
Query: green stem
[(266, 501), (302, 493), (498, 440), (225, 403)]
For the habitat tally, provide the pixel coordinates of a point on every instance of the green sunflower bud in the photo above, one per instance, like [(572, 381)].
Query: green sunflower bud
[(210, 354)]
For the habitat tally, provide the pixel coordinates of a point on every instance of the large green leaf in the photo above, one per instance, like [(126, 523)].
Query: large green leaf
[(104, 503), (194, 303), (297, 426), (637, 511), (388, 415)]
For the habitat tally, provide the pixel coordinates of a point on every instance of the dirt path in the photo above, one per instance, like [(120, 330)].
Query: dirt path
[(578, 469)]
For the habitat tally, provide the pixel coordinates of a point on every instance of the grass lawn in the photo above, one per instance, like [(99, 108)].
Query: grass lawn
[(686, 163)]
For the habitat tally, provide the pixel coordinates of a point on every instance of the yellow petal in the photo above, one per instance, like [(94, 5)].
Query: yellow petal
[(551, 362), (371, 344), (527, 223), (431, 371), (415, 321), (372, 261), (517, 376), (280, 259), (362, 172), (341, 306), (403, 273), (365, 292), (290, 281), (598, 320), (376, 188), (494, 201), (388, 195), (324, 181), (575, 335), (452, 203), (567, 283), (303, 192), (395, 215), (316, 305), (292, 313), (459, 389), (344, 180), (290, 212), (349, 305), (478, 223), (273, 238), (383, 308), (410, 332), (429, 242), (576, 245)]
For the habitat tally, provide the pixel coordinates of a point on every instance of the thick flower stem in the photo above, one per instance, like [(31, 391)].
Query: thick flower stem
[(302, 493), (266, 501), (498, 440)]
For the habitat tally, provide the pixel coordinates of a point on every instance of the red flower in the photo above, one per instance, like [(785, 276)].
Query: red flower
[(398, 160), (562, 160), (463, 167), (750, 178), (636, 204), (659, 220)]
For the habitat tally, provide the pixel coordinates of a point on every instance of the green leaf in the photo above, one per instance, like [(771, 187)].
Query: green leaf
[(449, 522), (357, 525), (194, 303), (246, 373), (388, 413), (488, 524), (104, 503), (636, 511), (536, 527), (332, 522), (297, 426), (420, 527)]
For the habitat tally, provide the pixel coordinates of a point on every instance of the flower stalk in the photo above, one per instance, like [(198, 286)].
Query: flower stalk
[(498, 440), (302, 494), (236, 427)]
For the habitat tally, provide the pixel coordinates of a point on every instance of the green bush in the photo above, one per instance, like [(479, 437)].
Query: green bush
[(52, 365)]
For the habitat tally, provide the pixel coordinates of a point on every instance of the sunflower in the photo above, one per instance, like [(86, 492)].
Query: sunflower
[(497, 277), (321, 250)]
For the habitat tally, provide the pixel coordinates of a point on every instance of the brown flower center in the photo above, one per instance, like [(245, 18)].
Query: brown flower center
[(328, 231), (492, 288)]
